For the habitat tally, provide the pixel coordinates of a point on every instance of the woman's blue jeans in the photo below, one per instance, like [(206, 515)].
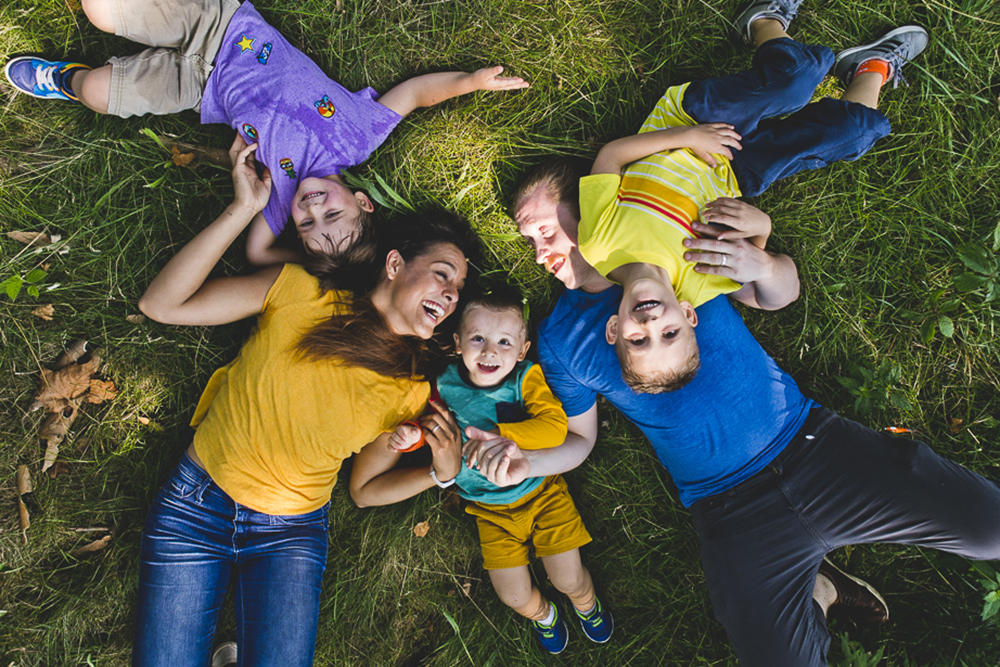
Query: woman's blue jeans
[(781, 81), (195, 541)]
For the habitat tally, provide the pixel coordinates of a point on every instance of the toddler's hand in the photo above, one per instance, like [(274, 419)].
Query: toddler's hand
[(710, 138), (405, 437), (251, 191), (743, 220), (489, 78)]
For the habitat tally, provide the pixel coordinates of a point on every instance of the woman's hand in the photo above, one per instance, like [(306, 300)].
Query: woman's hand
[(742, 220), (445, 440), (499, 459), (251, 192), (709, 138)]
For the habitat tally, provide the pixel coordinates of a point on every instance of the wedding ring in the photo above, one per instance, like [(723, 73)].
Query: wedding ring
[(723, 263), (436, 427)]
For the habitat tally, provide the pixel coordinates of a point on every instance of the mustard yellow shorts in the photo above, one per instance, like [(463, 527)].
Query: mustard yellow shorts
[(546, 517)]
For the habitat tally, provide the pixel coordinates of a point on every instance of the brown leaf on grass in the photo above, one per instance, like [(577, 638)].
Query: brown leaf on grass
[(45, 312), (143, 420), (59, 468), (30, 238), (138, 318), (956, 425), (23, 478), (74, 6), (96, 545), (67, 383), (422, 528), (73, 351), (467, 589), (101, 390), (216, 156), (181, 159)]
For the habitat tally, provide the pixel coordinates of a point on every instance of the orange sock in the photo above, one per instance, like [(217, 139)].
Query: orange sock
[(875, 65)]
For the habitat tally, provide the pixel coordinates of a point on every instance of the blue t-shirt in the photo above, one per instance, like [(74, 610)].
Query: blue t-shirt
[(736, 415), (305, 124)]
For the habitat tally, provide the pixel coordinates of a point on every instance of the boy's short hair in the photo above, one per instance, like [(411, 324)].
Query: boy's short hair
[(497, 298), (660, 382), (561, 179)]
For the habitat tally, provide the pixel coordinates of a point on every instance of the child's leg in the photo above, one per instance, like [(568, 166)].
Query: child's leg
[(571, 578), (517, 591), (782, 79)]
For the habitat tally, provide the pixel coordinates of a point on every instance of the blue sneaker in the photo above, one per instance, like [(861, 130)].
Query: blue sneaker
[(896, 47), (782, 11), (553, 637), (598, 624), (45, 79)]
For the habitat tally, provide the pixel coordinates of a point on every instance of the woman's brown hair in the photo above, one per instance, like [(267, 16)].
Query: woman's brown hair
[(361, 337)]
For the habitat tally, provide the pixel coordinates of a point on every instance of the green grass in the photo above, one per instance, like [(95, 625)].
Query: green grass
[(873, 240)]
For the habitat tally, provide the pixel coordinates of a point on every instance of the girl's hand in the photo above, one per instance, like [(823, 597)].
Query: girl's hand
[(489, 78), (709, 138), (251, 192), (742, 220), (445, 440), (404, 437)]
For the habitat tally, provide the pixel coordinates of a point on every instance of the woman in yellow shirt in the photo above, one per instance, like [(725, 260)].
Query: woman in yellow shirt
[(324, 373)]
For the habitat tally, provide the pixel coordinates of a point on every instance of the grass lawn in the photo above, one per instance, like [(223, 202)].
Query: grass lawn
[(879, 246)]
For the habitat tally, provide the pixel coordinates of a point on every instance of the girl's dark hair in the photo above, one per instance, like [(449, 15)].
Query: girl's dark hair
[(361, 337)]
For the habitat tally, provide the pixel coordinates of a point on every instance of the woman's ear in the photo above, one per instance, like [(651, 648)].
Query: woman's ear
[(393, 264)]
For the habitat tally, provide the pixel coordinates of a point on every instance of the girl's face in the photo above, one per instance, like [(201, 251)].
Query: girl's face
[(421, 292), (326, 213)]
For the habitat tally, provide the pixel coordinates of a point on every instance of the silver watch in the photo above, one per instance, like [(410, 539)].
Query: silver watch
[(443, 485)]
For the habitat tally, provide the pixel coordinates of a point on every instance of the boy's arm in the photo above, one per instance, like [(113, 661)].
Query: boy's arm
[(548, 424), (263, 248), (430, 89), (703, 140)]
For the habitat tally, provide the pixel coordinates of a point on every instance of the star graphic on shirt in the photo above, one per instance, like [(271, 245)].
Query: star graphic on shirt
[(245, 44)]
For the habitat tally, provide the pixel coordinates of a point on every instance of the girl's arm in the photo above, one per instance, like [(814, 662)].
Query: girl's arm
[(430, 89), (703, 140), (263, 248), (182, 293), (376, 481)]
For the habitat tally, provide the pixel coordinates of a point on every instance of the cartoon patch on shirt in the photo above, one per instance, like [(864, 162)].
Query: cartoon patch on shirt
[(250, 131), (265, 52), (289, 168), (245, 44), (325, 107)]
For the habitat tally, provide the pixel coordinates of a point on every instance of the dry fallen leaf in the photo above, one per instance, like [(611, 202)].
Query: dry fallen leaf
[(956, 424), (467, 589), (96, 545), (73, 351), (74, 6), (181, 159), (69, 382), (136, 319), (59, 468), (101, 390), (422, 528), (23, 478), (30, 238), (143, 420), (45, 312)]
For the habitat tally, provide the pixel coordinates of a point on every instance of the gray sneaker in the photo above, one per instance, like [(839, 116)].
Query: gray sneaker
[(897, 47), (225, 655), (782, 11)]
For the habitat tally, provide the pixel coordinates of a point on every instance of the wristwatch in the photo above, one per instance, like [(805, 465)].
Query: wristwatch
[(445, 484)]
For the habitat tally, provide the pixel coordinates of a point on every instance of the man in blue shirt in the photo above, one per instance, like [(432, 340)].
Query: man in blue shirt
[(773, 480)]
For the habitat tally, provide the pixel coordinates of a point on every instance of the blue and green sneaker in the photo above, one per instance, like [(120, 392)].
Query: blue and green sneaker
[(598, 624), (45, 79), (553, 637)]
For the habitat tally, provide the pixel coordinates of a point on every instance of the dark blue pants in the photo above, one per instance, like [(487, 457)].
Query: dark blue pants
[(836, 483), (782, 80), (195, 540)]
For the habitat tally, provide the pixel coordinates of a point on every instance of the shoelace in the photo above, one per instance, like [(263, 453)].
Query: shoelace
[(896, 61), (45, 77)]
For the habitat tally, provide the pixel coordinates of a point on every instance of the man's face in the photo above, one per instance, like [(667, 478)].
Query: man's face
[(551, 230)]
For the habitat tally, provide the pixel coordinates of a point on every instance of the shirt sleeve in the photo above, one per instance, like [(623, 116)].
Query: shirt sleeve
[(575, 396), (548, 424)]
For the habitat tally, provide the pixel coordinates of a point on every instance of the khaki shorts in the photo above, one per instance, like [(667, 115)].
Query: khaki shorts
[(546, 517), (187, 35)]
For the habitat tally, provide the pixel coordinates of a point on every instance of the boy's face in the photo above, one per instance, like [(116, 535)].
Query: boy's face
[(326, 212), (652, 329), (491, 343), (552, 232)]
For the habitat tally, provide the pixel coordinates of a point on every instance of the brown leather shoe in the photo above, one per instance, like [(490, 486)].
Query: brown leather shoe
[(856, 597)]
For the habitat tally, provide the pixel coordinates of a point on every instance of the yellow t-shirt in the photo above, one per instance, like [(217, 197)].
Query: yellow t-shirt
[(645, 215), (273, 428)]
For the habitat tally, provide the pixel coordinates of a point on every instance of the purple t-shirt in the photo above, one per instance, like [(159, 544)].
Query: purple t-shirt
[(305, 123)]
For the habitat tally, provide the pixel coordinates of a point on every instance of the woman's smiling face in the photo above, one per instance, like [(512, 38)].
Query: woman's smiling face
[(422, 291)]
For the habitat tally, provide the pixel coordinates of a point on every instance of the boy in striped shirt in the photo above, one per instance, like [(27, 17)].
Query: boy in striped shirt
[(641, 204)]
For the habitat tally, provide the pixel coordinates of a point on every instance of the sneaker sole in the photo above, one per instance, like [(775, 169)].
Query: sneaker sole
[(861, 582), (887, 36), (604, 641)]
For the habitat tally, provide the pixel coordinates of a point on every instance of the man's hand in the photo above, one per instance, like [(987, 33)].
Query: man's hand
[(499, 459), (489, 78), (741, 220), (251, 192), (708, 138)]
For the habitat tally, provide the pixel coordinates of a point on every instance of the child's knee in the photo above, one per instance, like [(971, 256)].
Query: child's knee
[(99, 13)]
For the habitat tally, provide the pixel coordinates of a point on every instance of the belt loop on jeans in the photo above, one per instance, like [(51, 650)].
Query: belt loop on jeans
[(199, 492)]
